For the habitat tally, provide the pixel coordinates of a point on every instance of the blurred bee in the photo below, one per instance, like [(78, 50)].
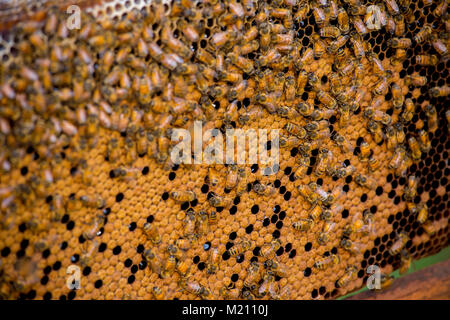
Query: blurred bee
[(343, 21), (365, 181), (308, 192), (415, 148), (405, 262), (327, 262), (441, 9), (232, 177), (183, 269), (402, 43), (302, 80), (327, 100), (183, 244), (365, 151), (183, 196), (386, 281), (400, 27), (329, 32), (93, 201), (158, 293), (359, 25), (229, 294), (219, 201), (288, 113), (416, 80), (169, 267), (212, 218), (268, 250), (267, 283), (296, 130), (429, 228), (422, 215), (202, 224), (319, 15), (350, 246), (241, 247), (377, 115), (242, 182), (426, 60), (277, 268), (303, 164), (324, 236), (376, 131), (152, 233), (399, 244), (343, 143), (397, 96), (263, 189), (190, 225), (303, 225), (213, 263), (443, 91), (350, 275), (302, 11), (432, 122), (423, 34), (253, 276), (153, 260)]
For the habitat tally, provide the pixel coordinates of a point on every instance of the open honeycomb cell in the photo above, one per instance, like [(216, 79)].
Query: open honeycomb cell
[(357, 89)]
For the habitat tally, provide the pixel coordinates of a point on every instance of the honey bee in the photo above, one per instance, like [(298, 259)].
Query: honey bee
[(302, 168), (423, 34), (263, 189), (431, 113), (302, 11), (241, 247), (295, 130), (326, 262), (267, 284), (416, 153), (350, 246), (416, 80), (425, 143), (343, 143), (229, 294), (213, 264), (183, 244), (190, 225), (330, 32), (386, 281), (183, 269), (365, 181), (343, 21), (359, 25), (397, 96), (440, 91), (268, 250), (253, 276), (203, 225), (183, 196), (377, 115), (153, 260), (152, 232), (441, 9), (324, 236), (426, 60), (350, 275), (308, 192), (302, 80), (303, 225), (93, 201), (327, 100), (405, 262), (319, 15), (287, 112), (158, 293), (399, 244), (376, 131), (422, 215), (219, 201)]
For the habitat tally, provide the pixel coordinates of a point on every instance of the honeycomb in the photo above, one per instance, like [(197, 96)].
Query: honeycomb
[(86, 115)]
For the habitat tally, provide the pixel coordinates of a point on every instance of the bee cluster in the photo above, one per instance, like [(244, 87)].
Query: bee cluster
[(86, 118)]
